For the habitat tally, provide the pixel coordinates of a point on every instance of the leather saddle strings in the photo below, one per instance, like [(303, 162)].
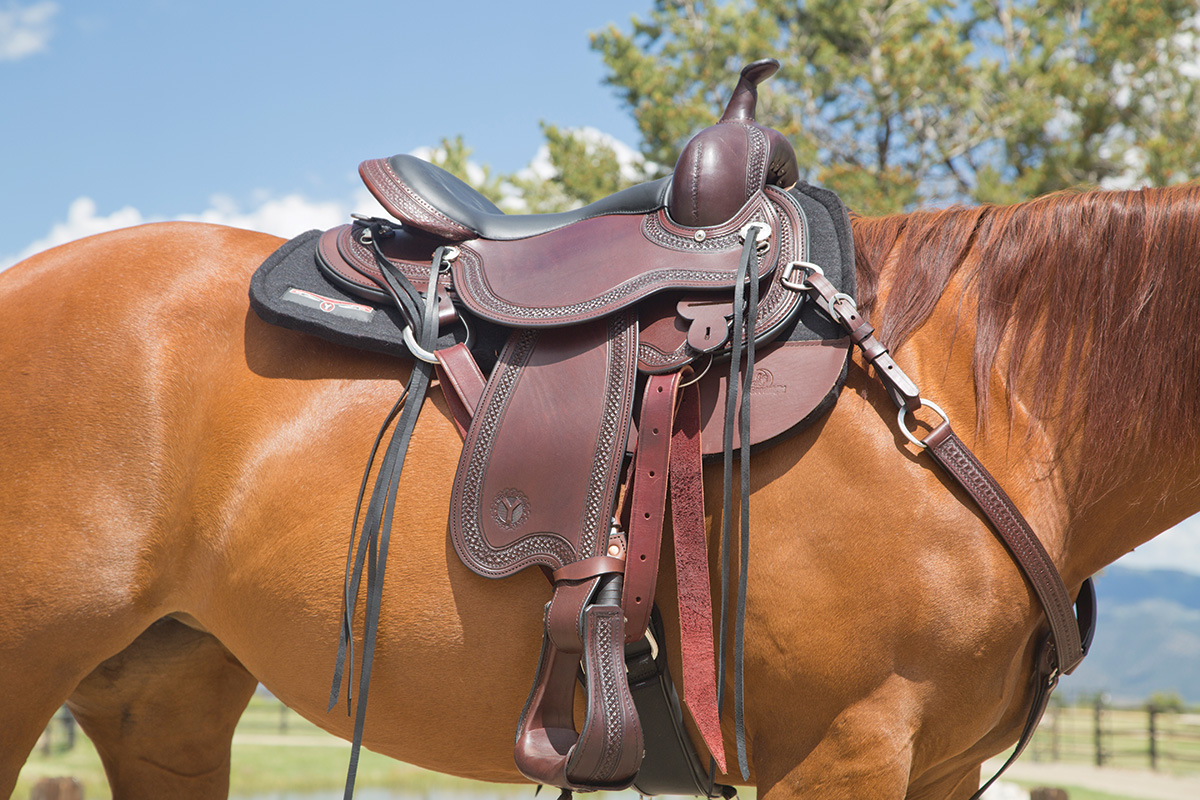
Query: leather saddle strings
[(377, 523), (745, 317)]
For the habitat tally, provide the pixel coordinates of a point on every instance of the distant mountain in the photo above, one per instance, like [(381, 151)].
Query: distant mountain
[(1147, 637)]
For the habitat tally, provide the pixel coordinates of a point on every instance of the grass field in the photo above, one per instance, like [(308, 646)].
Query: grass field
[(275, 751)]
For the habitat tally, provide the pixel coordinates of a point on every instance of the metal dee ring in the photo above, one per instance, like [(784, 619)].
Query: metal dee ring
[(904, 428), (764, 233), (802, 285), (696, 378), (416, 349)]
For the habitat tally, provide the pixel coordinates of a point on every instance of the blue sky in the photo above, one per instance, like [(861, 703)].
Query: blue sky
[(175, 108), (257, 114)]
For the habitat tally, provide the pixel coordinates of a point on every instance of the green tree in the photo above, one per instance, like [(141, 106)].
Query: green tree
[(454, 156), (576, 167), (928, 101), (579, 167)]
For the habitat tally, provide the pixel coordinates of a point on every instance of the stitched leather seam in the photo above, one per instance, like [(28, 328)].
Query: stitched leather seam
[(481, 294), (609, 694), (412, 204), (552, 550), (1020, 538), (777, 304), (606, 463), (363, 259)]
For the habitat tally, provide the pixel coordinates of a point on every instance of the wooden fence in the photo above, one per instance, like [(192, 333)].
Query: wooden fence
[(1135, 737)]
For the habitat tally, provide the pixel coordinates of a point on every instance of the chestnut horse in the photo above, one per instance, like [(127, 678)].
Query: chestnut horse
[(177, 481)]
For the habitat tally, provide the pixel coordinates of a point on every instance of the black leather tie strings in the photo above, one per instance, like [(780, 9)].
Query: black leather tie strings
[(738, 403), (377, 523)]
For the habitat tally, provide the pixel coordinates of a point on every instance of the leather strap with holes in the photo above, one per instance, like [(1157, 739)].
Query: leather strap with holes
[(648, 501), (1071, 624)]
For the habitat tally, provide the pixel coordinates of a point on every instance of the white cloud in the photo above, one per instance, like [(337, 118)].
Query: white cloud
[(82, 220), (1178, 549), (633, 165), (25, 31), (285, 216)]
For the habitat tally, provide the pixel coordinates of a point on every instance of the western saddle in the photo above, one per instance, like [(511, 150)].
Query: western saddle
[(592, 411), (645, 283)]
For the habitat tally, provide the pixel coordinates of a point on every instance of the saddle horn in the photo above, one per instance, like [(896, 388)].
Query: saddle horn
[(726, 164), (745, 95)]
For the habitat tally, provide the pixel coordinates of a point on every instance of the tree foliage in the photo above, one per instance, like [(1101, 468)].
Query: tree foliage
[(575, 168), (899, 103)]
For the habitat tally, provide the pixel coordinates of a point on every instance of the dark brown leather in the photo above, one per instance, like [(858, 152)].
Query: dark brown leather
[(458, 370), (588, 568), (601, 265), (546, 434), (546, 731), (611, 717), (791, 380), (536, 485), (541, 460), (405, 204), (663, 338), (344, 252), (725, 165), (843, 309)]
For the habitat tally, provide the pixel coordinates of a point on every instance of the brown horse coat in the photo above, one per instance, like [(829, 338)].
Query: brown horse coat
[(177, 480)]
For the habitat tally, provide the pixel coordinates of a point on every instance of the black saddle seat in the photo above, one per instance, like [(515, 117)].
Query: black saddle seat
[(462, 204)]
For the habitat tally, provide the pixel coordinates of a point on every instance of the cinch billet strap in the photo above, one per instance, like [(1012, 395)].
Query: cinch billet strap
[(648, 500)]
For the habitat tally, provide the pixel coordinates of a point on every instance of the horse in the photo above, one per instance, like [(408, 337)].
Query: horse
[(179, 478)]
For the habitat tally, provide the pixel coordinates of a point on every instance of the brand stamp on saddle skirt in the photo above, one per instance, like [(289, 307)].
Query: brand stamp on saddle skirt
[(592, 359)]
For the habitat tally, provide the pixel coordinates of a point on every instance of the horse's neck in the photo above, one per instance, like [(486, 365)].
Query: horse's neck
[(1036, 461)]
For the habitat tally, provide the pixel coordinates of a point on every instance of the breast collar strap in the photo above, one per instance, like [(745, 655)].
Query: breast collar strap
[(1072, 624)]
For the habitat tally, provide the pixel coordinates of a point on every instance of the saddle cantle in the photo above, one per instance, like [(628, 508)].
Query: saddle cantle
[(637, 329)]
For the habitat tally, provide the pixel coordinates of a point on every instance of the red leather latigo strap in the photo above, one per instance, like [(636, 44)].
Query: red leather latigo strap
[(668, 454), (691, 569)]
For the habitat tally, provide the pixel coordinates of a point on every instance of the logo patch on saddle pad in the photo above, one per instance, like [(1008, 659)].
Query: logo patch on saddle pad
[(338, 308), (510, 508)]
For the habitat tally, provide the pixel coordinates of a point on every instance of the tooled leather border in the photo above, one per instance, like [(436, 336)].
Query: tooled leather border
[(405, 204), (478, 295), (777, 305), (549, 549)]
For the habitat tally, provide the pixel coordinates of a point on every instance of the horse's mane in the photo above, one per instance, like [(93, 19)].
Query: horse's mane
[(1095, 291)]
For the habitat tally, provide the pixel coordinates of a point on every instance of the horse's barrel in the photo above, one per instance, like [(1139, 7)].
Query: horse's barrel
[(724, 165)]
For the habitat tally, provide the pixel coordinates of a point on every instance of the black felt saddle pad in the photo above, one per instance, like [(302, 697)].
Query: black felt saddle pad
[(291, 291)]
